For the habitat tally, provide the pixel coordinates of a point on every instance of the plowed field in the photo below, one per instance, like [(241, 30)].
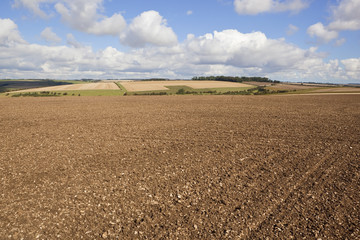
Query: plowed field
[(189, 167)]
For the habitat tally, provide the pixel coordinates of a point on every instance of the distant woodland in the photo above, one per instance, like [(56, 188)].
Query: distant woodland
[(235, 79)]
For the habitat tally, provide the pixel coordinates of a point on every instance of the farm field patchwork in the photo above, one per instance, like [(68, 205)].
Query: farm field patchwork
[(189, 167), (21, 88)]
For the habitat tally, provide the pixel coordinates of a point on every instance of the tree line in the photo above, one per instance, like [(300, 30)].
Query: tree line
[(235, 79)]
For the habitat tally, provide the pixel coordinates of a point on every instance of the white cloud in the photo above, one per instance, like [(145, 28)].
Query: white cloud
[(189, 12), (109, 26), (292, 29), (346, 16), (322, 33), (70, 40), (83, 15), (340, 42), (231, 47), (352, 67), (148, 28), (48, 35), (253, 7), (33, 6), (9, 33), (352, 64)]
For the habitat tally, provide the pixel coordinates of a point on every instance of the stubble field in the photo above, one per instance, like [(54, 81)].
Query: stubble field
[(134, 86), (70, 87), (189, 167)]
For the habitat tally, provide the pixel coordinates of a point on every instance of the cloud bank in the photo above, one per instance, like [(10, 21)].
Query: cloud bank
[(227, 52), (156, 52)]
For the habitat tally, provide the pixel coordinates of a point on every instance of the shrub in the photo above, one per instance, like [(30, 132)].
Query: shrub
[(181, 91)]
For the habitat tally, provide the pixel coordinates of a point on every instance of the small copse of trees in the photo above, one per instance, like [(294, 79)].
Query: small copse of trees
[(235, 79)]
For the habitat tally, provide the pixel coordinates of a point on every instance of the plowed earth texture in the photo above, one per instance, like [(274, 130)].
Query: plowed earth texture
[(189, 167)]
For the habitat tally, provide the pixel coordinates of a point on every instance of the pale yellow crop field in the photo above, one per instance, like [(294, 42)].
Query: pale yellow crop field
[(338, 89), (86, 86), (135, 86)]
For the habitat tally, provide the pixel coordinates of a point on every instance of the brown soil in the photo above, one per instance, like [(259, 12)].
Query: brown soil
[(189, 167)]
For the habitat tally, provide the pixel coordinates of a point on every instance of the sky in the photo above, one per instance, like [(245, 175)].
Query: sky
[(286, 40)]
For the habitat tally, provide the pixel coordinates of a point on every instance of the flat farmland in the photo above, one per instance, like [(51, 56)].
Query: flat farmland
[(180, 167), (339, 90), (137, 86), (71, 87), (291, 87)]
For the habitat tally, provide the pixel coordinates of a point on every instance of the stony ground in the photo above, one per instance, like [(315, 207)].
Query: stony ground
[(180, 167)]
